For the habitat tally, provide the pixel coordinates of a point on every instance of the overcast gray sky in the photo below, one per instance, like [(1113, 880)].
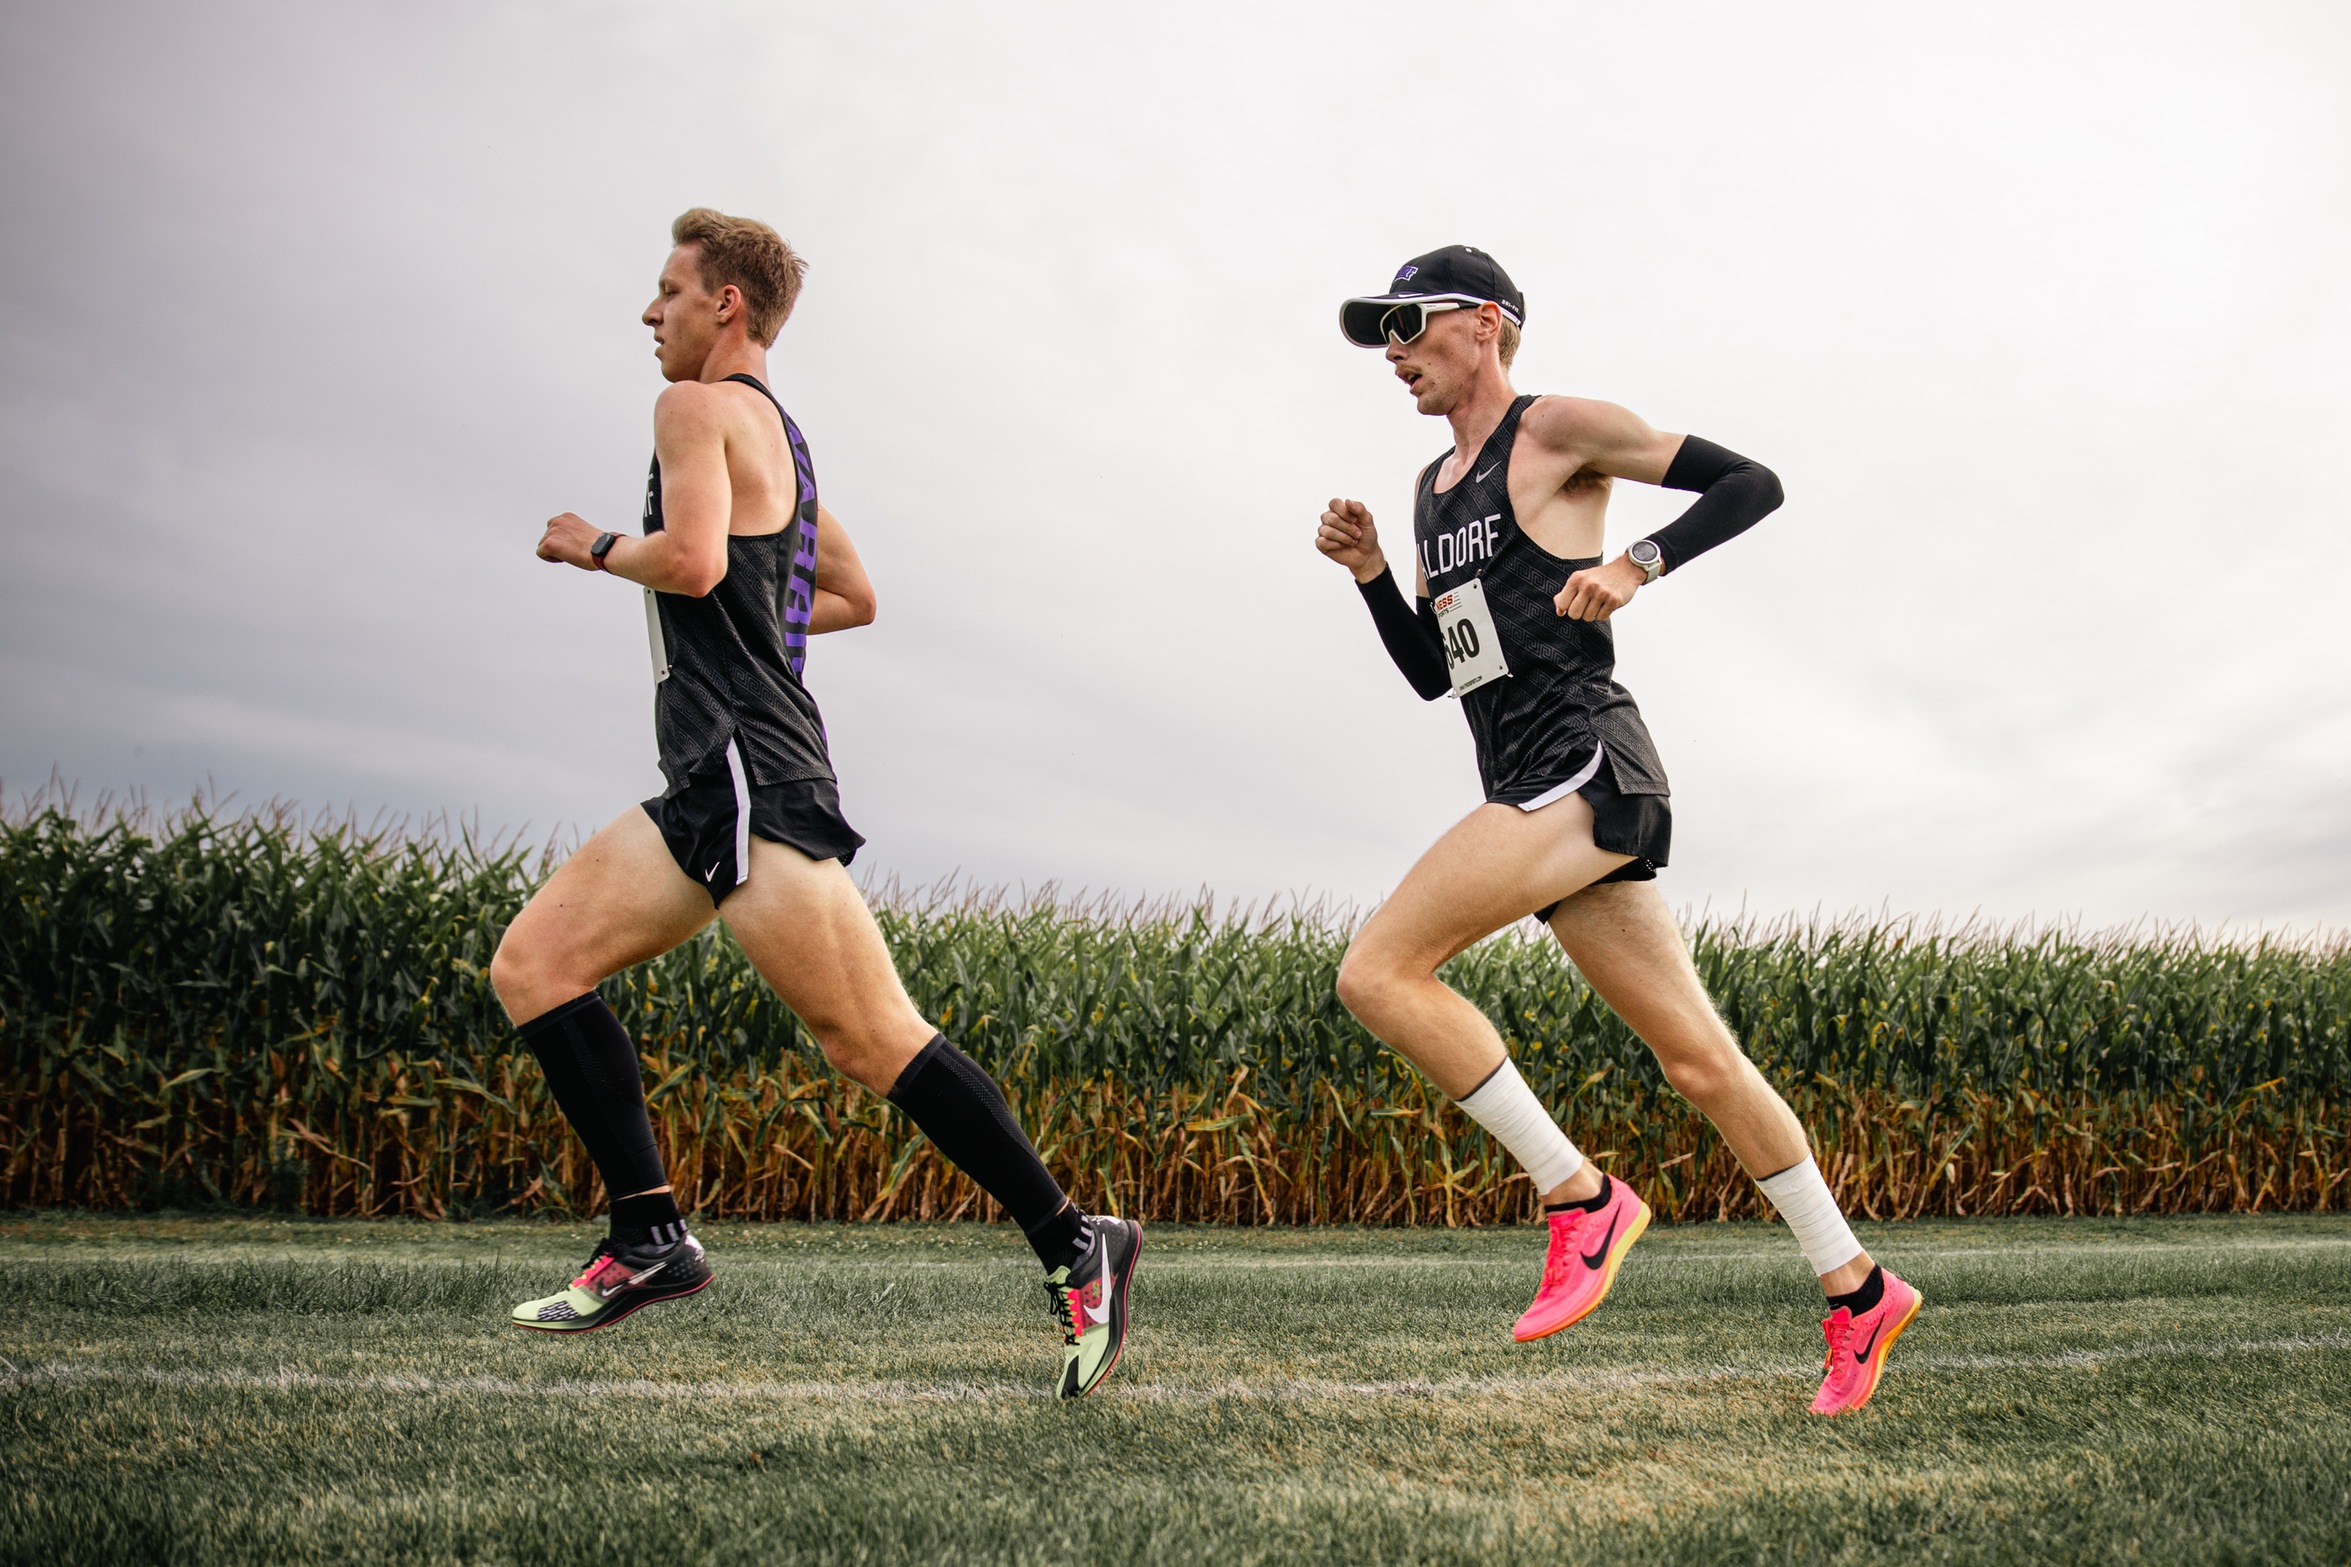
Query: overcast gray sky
[(314, 313)]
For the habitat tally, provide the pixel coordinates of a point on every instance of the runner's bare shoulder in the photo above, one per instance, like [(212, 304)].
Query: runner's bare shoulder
[(687, 410), (1580, 424)]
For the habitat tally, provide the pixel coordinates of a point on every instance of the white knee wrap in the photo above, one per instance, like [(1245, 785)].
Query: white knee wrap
[(1505, 1106), (1803, 1199)]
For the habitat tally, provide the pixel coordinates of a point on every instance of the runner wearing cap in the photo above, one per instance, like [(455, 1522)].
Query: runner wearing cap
[(1513, 601)]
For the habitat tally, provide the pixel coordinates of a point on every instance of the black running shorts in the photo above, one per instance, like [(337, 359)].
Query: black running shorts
[(1640, 825), (709, 824)]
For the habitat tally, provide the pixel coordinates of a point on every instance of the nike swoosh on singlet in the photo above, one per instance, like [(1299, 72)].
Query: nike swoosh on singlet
[(713, 871), (1481, 478), (1594, 1259)]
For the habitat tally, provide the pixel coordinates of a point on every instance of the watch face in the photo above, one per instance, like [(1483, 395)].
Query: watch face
[(1643, 553)]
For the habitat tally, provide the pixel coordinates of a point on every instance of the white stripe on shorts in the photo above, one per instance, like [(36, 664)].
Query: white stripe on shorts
[(1590, 772), (742, 814)]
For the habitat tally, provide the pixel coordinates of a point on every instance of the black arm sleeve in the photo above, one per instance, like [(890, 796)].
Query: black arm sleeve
[(1413, 640), (1739, 493)]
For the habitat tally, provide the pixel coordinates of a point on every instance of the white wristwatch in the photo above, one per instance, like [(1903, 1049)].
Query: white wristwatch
[(1646, 555)]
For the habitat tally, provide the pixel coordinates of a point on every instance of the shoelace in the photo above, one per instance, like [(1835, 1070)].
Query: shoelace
[(598, 1260), (1563, 1245), (1839, 1329), (1061, 1299)]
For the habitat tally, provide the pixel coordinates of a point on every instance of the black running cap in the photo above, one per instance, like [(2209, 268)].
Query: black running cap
[(1455, 272)]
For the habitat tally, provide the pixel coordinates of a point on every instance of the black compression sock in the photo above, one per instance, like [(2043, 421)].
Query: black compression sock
[(962, 1111), (1866, 1298), (591, 1066), (1592, 1204), (650, 1218), (1061, 1241)]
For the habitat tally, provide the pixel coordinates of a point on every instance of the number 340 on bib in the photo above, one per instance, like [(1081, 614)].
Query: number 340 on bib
[(1473, 653)]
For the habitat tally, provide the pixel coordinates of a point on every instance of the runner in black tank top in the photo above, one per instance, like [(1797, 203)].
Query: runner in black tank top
[(1512, 616), (742, 744), (727, 664), (1558, 718), (741, 563)]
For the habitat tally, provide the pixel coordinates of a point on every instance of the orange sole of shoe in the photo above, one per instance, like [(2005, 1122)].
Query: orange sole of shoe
[(1624, 1243), (1877, 1361)]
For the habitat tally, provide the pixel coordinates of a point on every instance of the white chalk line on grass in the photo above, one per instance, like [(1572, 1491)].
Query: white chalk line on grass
[(1785, 1249), (1282, 1390), (1176, 1261)]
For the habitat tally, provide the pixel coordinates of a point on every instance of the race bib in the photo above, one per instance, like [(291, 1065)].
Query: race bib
[(653, 634), (1473, 653)]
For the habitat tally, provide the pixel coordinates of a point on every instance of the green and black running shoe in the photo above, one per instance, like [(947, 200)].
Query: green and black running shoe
[(1091, 1301), (618, 1279)]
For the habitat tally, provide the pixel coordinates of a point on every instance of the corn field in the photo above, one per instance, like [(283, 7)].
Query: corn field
[(198, 1008)]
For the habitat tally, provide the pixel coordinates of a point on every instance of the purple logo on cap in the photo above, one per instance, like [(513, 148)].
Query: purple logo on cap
[(1406, 274)]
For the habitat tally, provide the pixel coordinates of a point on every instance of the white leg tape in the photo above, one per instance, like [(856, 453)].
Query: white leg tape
[(1803, 1200), (1505, 1106)]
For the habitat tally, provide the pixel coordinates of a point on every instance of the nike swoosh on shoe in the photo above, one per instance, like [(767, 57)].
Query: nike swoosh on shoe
[(1595, 1259), (635, 1279), (1095, 1309)]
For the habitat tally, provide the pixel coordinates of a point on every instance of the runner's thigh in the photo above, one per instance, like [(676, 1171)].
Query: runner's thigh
[(807, 930), (619, 900), (1625, 942), (1495, 865)]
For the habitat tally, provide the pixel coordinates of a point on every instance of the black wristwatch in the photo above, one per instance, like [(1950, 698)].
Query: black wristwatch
[(601, 548), (1646, 555)]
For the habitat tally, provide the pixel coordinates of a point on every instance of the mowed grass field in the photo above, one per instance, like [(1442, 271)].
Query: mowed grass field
[(207, 1389)]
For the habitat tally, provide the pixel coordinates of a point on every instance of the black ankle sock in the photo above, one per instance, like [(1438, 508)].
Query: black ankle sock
[(1592, 1204), (591, 1065), (1061, 1240), (962, 1111), (1866, 1298), (648, 1218)]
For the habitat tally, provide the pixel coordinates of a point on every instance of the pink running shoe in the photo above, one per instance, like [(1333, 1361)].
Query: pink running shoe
[(1858, 1345), (1586, 1249)]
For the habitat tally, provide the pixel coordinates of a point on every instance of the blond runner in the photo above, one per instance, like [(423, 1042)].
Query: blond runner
[(1511, 616)]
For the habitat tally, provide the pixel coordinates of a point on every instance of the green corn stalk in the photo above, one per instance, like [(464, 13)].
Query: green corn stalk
[(198, 1007)]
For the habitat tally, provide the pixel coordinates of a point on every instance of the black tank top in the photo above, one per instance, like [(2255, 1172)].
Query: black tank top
[(733, 657), (1538, 727)]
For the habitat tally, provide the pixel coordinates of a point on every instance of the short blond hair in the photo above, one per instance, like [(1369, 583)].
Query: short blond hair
[(1507, 344), (751, 256)]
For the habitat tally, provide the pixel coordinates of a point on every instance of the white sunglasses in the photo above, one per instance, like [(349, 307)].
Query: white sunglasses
[(1401, 323)]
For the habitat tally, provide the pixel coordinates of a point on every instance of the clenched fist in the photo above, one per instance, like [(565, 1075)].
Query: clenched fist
[(1348, 537), (1597, 592), (567, 540)]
